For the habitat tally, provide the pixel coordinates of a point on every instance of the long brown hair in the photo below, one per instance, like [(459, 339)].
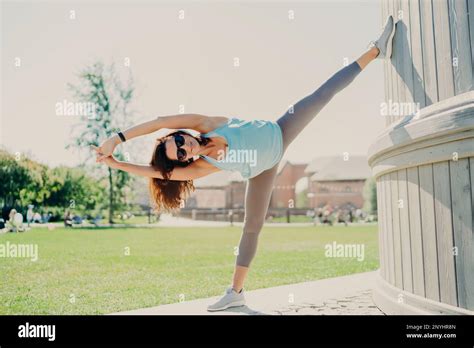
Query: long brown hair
[(166, 194)]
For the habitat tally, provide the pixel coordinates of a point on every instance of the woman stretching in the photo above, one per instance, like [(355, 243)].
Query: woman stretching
[(180, 157)]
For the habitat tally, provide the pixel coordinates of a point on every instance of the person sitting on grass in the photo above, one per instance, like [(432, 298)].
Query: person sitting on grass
[(15, 222), (67, 219)]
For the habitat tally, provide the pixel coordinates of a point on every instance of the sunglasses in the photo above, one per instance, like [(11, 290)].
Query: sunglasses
[(180, 153)]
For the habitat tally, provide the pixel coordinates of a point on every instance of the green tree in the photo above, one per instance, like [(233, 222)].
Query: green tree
[(102, 86), (14, 178), (370, 196), (24, 181), (74, 189)]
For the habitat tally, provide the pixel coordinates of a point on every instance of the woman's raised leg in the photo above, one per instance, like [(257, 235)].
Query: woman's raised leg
[(259, 188), (296, 119)]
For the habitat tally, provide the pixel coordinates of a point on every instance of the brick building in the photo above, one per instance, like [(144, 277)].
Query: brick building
[(328, 180), (337, 182), (218, 190), (284, 188)]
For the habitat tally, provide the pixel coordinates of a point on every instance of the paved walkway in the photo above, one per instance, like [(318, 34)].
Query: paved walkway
[(348, 295), (167, 220)]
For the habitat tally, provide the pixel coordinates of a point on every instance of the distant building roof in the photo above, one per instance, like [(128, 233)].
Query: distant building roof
[(219, 179), (318, 164), (336, 168), (282, 165)]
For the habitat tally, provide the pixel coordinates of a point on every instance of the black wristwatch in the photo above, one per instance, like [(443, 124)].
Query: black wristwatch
[(122, 137)]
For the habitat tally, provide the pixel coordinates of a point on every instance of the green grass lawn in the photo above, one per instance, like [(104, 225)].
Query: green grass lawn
[(86, 271)]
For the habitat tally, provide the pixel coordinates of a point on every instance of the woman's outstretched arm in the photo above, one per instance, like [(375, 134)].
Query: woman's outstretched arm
[(200, 123), (195, 170), (190, 121), (191, 172)]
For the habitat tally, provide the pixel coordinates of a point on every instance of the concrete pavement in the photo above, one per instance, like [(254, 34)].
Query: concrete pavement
[(342, 295)]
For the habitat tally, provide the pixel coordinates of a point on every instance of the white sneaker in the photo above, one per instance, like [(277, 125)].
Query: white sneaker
[(385, 41), (231, 298)]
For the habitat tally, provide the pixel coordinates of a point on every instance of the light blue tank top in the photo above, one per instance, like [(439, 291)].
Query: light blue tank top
[(253, 146)]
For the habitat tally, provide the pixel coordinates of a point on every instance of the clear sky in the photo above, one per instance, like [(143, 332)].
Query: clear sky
[(190, 62)]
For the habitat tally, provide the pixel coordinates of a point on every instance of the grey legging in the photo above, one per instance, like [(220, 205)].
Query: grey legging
[(259, 188)]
